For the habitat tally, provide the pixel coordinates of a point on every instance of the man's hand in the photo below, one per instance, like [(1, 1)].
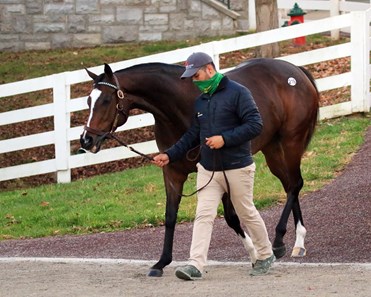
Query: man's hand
[(215, 142), (161, 160)]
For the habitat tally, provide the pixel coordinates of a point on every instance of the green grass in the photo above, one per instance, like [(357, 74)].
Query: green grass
[(136, 198), (24, 65)]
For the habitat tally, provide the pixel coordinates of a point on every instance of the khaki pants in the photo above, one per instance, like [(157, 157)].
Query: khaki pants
[(241, 182)]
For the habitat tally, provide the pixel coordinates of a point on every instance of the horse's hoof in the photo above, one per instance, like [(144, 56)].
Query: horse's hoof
[(155, 272), (280, 251), (298, 252)]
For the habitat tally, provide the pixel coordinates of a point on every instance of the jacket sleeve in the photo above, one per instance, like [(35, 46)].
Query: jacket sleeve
[(251, 121), (189, 140)]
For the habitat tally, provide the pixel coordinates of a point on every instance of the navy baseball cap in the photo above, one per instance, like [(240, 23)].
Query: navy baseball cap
[(195, 62)]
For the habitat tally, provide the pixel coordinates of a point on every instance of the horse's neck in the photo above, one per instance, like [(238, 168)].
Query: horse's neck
[(170, 109), (166, 97)]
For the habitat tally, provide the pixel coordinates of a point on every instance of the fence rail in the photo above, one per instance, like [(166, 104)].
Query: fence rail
[(358, 78)]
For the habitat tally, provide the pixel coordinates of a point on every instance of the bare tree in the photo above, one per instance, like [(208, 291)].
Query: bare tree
[(267, 19)]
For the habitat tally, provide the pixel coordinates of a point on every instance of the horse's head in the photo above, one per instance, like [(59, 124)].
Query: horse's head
[(109, 109)]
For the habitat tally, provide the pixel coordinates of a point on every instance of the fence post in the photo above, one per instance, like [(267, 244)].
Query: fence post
[(61, 95), (215, 55), (360, 61), (335, 11), (252, 15)]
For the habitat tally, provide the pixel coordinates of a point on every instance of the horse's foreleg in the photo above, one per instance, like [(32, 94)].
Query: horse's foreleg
[(173, 191), (167, 250), (234, 222)]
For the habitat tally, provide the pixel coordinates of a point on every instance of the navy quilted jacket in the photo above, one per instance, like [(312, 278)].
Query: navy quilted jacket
[(231, 112)]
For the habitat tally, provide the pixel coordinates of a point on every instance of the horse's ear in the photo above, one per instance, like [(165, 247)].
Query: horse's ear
[(91, 74), (108, 70)]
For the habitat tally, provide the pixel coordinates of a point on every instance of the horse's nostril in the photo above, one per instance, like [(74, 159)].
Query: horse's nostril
[(86, 142)]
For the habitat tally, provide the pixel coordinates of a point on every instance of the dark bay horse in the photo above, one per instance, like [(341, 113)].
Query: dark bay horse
[(288, 101)]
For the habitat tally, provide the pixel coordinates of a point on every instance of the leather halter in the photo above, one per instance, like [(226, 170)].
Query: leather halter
[(119, 108)]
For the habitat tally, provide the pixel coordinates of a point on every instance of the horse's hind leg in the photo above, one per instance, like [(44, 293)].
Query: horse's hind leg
[(234, 222), (299, 249), (284, 162), (294, 150)]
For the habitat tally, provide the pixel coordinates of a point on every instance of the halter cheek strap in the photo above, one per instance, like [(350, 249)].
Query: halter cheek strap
[(120, 93)]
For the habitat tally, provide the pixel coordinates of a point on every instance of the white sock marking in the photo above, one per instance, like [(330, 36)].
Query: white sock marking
[(249, 246), (300, 235)]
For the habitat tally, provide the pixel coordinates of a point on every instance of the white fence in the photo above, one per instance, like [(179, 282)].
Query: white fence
[(333, 7), (358, 78)]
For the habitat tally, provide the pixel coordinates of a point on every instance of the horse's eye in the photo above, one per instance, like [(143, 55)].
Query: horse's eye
[(106, 101)]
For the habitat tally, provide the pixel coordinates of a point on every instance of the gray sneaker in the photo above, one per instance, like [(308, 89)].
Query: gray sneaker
[(262, 267), (188, 272)]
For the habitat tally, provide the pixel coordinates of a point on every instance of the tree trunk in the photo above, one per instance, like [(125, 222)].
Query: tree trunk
[(267, 19)]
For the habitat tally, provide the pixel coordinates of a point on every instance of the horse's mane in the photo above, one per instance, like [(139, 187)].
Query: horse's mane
[(153, 66)]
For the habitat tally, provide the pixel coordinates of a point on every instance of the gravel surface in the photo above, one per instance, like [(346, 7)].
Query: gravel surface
[(28, 279), (338, 222)]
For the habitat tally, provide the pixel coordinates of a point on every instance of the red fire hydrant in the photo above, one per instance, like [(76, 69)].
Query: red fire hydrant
[(296, 15)]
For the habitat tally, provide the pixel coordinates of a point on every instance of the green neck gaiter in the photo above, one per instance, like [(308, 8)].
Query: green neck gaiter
[(210, 85)]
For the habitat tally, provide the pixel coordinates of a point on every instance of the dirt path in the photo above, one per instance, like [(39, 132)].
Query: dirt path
[(337, 217), (123, 279)]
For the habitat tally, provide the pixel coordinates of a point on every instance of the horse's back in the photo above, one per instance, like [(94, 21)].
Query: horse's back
[(277, 77), (285, 94)]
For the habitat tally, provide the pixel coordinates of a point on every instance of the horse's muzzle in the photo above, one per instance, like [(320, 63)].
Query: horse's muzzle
[(93, 142), (86, 141), (90, 143)]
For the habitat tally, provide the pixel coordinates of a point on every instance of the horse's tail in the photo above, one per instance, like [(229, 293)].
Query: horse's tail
[(315, 115), (310, 77)]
